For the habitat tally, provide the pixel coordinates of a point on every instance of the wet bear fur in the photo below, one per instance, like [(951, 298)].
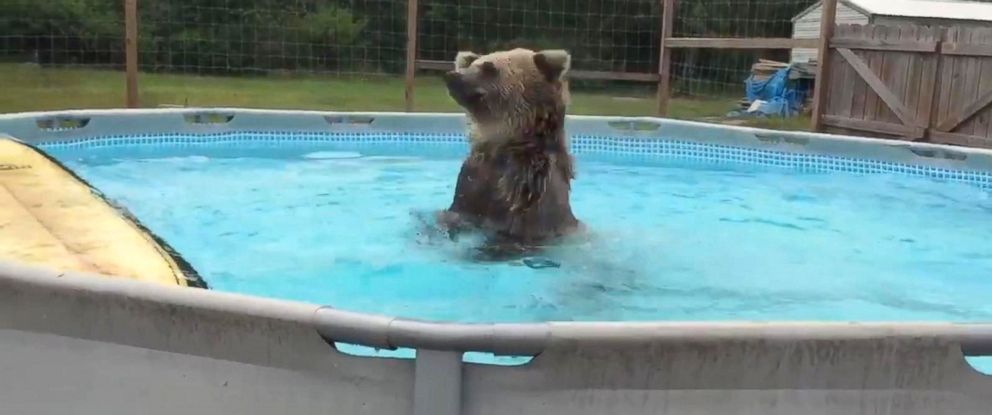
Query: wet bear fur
[(515, 183)]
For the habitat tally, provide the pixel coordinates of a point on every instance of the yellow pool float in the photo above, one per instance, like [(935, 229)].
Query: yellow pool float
[(51, 217)]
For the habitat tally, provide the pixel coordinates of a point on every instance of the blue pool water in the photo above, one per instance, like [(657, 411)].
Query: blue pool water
[(338, 224)]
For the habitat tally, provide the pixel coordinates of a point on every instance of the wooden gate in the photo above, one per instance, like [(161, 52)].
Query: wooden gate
[(911, 82)]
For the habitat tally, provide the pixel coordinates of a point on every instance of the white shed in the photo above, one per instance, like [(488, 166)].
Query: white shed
[(806, 25)]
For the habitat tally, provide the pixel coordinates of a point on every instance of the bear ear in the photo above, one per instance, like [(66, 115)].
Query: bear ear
[(464, 59), (554, 64)]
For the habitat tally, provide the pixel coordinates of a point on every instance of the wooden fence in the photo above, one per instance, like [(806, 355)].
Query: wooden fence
[(906, 82), (911, 82)]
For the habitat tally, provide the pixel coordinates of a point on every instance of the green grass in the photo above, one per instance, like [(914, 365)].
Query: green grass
[(30, 88)]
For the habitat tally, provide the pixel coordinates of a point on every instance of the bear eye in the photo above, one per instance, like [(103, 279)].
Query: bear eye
[(489, 69)]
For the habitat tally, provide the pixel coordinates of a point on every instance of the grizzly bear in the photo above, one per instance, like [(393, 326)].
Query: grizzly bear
[(514, 185)]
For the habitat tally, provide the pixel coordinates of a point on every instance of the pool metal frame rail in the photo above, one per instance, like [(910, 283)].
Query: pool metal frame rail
[(83, 344)]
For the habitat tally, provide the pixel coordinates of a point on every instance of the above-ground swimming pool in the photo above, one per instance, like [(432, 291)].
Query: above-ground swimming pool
[(703, 240), (679, 231)]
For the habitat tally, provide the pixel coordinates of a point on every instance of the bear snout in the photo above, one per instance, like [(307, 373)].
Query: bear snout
[(463, 92), (456, 86), (451, 76), (453, 80)]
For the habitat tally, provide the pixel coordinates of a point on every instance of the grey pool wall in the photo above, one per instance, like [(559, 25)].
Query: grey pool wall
[(88, 345), (81, 344)]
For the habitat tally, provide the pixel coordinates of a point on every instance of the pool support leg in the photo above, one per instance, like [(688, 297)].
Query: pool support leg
[(437, 387)]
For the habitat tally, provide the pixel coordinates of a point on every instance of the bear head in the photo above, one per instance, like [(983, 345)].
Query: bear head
[(508, 94)]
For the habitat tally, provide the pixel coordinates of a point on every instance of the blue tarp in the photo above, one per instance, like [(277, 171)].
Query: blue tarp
[(781, 96)]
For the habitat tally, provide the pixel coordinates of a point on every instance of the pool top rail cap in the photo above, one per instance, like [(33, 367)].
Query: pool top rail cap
[(522, 339)]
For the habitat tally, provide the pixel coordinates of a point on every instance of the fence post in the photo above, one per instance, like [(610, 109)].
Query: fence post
[(131, 51), (665, 57), (827, 22), (411, 52)]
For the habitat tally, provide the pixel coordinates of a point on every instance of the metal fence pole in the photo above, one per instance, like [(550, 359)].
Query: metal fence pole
[(411, 52), (131, 51), (665, 57)]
